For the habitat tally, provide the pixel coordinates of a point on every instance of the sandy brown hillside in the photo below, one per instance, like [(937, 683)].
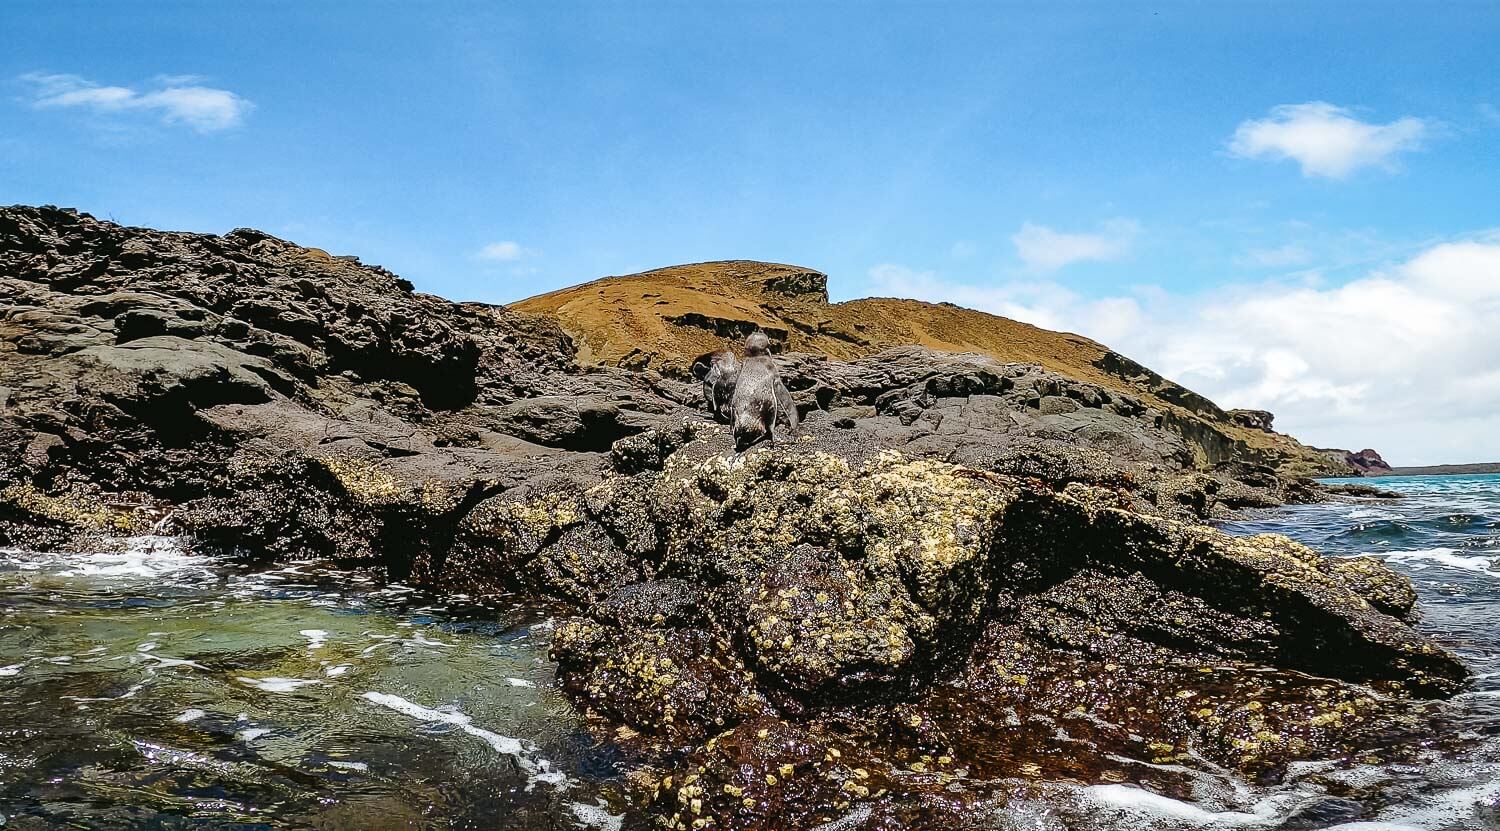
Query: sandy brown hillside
[(662, 319)]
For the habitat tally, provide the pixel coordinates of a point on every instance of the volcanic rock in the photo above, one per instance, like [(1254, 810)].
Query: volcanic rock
[(986, 556)]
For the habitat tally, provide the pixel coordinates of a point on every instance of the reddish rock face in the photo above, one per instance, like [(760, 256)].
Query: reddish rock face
[(1369, 462)]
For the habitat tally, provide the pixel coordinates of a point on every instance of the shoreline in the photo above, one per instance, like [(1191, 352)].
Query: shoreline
[(1474, 469)]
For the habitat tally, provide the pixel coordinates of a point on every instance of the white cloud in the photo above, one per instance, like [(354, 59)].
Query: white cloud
[(502, 252), (1043, 303), (175, 99), (1402, 359), (1326, 140), (1043, 249)]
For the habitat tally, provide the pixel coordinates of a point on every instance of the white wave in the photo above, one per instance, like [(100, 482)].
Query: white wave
[(537, 770), (190, 715), (13, 669), (1138, 801), (278, 685), (145, 557), (361, 767), (520, 682), (1446, 557), (503, 744), (250, 734), (1469, 785), (162, 662), (596, 816)]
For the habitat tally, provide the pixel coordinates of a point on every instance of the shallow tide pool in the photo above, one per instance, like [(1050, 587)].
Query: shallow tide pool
[(151, 688)]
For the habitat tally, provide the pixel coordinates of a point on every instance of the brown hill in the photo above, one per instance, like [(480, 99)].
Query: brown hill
[(663, 319)]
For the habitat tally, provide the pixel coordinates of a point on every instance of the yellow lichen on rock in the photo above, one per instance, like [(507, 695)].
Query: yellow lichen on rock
[(366, 481), (78, 511)]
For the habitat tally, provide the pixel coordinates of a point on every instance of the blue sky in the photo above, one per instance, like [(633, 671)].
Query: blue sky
[(1135, 172)]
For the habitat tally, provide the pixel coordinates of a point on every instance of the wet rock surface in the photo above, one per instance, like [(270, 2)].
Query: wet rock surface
[(962, 572), (898, 634)]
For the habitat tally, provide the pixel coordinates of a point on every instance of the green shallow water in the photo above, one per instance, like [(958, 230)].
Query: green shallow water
[(149, 688)]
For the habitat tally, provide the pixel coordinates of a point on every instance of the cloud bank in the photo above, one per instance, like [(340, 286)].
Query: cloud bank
[(1402, 359), (174, 99), (1327, 141)]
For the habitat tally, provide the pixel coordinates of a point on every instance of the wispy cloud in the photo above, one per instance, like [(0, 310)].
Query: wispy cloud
[(174, 99), (1044, 249), (1326, 140), (1284, 256), (505, 251)]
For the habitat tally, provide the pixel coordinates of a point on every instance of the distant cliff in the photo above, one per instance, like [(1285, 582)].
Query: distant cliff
[(1443, 470)]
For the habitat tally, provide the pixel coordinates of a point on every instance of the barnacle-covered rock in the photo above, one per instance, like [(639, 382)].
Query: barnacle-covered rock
[(946, 624), (680, 685)]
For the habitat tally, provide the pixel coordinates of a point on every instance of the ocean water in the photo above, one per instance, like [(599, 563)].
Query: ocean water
[(149, 687), (1445, 536)]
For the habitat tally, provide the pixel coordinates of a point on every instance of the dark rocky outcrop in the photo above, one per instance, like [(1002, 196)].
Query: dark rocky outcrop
[(1254, 419), (1360, 491), (274, 396), (966, 570), (833, 623), (1368, 462)]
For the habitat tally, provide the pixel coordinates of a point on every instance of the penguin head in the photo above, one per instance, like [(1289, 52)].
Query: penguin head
[(757, 344)]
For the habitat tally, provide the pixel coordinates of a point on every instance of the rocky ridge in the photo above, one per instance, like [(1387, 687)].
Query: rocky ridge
[(663, 319), (966, 570)]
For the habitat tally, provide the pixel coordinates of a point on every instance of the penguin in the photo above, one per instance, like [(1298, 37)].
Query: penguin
[(718, 371), (760, 398)]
